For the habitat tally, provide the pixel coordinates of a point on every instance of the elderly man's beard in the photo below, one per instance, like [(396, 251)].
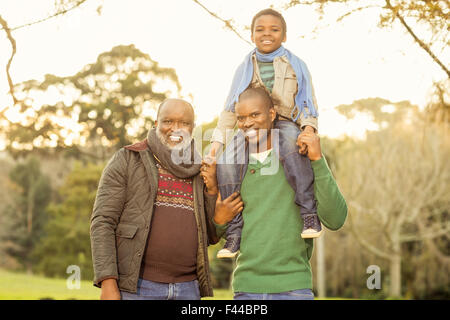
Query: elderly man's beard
[(185, 142)]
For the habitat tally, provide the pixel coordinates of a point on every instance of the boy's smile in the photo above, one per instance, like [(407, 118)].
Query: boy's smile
[(268, 33)]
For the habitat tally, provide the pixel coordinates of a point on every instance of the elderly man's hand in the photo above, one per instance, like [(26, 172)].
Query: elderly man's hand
[(208, 173), (227, 209), (110, 290), (312, 141)]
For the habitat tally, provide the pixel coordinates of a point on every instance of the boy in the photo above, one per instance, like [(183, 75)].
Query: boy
[(287, 79)]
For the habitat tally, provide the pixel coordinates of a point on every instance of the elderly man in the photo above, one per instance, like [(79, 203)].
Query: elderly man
[(273, 262), (153, 215)]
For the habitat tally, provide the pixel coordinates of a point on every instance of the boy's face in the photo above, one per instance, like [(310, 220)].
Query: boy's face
[(268, 33), (255, 119)]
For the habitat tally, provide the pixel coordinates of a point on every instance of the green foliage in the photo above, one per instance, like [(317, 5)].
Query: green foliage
[(24, 219), (203, 133), (221, 269), (104, 106), (67, 240)]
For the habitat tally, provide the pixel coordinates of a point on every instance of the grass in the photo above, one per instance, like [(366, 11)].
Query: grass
[(20, 286)]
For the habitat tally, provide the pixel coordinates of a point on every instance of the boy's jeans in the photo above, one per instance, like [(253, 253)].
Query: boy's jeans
[(232, 166), (150, 290), (302, 294)]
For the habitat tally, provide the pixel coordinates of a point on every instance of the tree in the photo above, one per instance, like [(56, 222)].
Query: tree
[(24, 219), (396, 183), (431, 15), (67, 239), (104, 106), (62, 7)]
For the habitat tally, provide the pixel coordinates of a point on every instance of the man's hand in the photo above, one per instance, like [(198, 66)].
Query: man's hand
[(227, 209), (110, 290), (303, 147), (208, 173), (312, 141)]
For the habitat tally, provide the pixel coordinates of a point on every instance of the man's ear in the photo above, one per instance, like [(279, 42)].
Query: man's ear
[(273, 114), (155, 124)]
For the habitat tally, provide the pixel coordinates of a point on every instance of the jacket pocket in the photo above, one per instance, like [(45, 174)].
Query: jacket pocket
[(125, 243), (126, 230)]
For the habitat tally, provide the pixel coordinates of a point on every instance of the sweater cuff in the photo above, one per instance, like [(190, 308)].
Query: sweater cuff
[(320, 168), (220, 228)]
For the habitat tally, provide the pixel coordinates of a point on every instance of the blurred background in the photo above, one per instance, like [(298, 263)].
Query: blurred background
[(80, 79)]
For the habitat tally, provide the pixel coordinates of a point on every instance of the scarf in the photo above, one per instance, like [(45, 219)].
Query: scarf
[(184, 163), (244, 75)]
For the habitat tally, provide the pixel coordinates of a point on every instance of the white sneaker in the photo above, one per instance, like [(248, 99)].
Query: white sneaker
[(226, 253)]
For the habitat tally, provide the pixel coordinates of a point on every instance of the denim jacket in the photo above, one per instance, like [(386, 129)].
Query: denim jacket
[(283, 95)]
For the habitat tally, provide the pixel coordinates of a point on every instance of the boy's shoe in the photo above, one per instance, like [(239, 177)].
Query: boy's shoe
[(311, 226), (230, 249)]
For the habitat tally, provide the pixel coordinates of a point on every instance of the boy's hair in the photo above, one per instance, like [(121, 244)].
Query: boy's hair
[(270, 12), (257, 92)]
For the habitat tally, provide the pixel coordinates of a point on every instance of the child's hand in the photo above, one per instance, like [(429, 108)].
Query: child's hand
[(303, 147), (215, 148), (312, 141), (208, 173)]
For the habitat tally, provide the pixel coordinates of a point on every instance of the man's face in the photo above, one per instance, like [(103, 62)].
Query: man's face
[(175, 124), (255, 119), (268, 33)]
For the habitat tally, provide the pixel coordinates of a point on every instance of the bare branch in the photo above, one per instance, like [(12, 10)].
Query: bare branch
[(365, 244), (228, 23), (355, 10), (76, 5), (420, 42), (428, 234), (8, 66)]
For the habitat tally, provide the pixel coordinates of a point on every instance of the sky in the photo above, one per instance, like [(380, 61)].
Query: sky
[(348, 61)]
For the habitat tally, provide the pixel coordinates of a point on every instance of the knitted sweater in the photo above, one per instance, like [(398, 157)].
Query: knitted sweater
[(273, 257), (171, 251)]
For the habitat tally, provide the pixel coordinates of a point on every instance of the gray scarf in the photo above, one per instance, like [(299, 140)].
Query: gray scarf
[(184, 163)]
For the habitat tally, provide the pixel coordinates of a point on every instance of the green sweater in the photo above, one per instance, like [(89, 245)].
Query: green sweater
[(273, 257)]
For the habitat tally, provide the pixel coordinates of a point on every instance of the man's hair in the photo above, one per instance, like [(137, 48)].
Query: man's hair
[(164, 102), (259, 92), (270, 12)]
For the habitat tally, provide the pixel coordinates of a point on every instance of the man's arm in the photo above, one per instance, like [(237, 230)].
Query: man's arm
[(108, 207), (331, 205)]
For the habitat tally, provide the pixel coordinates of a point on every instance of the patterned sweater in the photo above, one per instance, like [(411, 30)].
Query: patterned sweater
[(171, 252)]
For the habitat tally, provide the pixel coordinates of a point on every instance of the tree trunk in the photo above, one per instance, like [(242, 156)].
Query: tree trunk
[(320, 256), (395, 289)]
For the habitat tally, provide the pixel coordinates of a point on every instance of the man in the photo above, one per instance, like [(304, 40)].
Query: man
[(273, 262), (153, 216)]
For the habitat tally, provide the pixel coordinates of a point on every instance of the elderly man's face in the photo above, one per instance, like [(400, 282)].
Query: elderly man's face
[(175, 123), (255, 119)]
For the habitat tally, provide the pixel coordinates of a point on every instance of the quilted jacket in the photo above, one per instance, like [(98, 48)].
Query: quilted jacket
[(122, 216)]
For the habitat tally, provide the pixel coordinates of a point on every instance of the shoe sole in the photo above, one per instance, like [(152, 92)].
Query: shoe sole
[(226, 255), (311, 235)]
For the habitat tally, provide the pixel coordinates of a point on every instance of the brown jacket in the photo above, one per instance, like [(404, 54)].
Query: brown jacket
[(122, 216)]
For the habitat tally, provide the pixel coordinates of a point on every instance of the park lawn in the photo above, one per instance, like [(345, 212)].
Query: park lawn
[(20, 286)]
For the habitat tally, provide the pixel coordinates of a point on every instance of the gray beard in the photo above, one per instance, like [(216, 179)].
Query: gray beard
[(187, 138)]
